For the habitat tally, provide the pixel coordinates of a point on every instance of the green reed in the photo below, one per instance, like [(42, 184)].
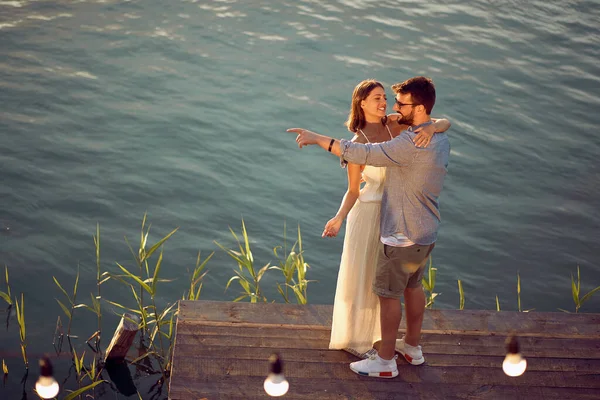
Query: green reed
[(461, 296), (519, 292), (156, 324), (292, 265), (72, 301), (6, 295), (96, 306), (197, 278), (246, 275), (429, 284), (576, 292), (20, 309), (294, 269)]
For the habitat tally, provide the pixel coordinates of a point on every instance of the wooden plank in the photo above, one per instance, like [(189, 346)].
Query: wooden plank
[(215, 312), (260, 354), (294, 340), (246, 388), (456, 344), (191, 368), (474, 322)]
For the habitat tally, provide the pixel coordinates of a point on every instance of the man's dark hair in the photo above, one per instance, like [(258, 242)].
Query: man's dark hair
[(421, 89)]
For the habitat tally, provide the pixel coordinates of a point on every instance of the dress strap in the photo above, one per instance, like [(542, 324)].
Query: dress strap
[(388, 129), (360, 130)]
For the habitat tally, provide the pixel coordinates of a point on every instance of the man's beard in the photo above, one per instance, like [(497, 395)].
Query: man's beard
[(407, 119)]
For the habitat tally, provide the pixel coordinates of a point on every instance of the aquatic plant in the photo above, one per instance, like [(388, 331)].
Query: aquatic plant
[(197, 278), (292, 265), (246, 275), (429, 285), (461, 296), (576, 292), (20, 309)]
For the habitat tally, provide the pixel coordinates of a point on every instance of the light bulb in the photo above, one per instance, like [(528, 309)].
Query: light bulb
[(276, 385), (514, 364), (46, 387)]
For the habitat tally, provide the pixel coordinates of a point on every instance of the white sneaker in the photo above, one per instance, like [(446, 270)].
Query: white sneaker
[(412, 354), (375, 366)]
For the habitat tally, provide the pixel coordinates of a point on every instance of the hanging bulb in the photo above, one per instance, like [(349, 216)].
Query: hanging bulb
[(514, 364), (276, 385), (46, 386)]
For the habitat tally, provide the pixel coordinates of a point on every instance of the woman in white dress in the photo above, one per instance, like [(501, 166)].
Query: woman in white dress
[(355, 324)]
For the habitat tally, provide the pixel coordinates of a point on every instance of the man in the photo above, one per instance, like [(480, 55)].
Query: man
[(410, 219)]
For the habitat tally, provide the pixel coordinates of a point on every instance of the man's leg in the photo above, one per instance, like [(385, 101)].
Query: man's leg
[(383, 363), (389, 317), (414, 302)]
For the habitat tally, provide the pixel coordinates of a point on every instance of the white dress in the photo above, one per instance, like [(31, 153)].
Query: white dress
[(355, 324)]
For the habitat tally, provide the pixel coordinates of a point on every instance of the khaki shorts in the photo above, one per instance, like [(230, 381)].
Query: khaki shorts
[(399, 268)]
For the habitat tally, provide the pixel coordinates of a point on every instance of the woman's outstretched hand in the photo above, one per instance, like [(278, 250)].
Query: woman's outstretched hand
[(332, 227)]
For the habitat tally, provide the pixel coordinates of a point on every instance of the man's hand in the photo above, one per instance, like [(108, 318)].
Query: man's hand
[(305, 137)]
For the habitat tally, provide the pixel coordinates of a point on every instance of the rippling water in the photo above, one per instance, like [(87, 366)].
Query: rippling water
[(110, 109)]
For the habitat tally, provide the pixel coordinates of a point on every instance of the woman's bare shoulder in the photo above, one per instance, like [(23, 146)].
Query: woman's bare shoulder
[(359, 139), (395, 127)]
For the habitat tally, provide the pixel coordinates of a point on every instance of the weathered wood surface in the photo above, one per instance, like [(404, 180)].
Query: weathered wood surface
[(221, 351), (123, 338)]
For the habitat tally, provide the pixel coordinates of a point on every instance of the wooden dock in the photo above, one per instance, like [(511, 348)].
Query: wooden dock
[(221, 351)]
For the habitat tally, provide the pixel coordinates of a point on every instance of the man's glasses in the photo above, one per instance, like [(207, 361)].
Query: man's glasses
[(405, 104)]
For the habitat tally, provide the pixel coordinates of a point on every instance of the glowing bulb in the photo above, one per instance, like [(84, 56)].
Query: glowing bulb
[(46, 386), (276, 385), (514, 365)]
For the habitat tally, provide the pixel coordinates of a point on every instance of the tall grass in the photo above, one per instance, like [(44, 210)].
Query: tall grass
[(429, 284), (461, 296), (292, 266), (156, 324), (197, 278), (294, 269), (69, 311), (247, 275), (576, 292), (7, 296), (20, 309)]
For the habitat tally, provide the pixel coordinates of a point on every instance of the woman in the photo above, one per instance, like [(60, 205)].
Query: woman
[(356, 308)]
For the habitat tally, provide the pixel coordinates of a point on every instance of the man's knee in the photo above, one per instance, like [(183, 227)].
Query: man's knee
[(414, 291)]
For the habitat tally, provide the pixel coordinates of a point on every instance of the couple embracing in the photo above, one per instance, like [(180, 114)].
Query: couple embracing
[(392, 222)]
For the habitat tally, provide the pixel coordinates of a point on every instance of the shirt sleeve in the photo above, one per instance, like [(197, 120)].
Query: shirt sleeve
[(395, 152)]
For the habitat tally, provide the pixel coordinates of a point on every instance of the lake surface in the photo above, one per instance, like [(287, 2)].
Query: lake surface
[(112, 109)]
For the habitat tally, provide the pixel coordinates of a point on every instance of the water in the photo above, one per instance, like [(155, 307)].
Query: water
[(179, 109)]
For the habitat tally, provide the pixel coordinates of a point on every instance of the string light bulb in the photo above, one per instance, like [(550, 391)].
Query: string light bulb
[(276, 385), (514, 364), (46, 386)]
